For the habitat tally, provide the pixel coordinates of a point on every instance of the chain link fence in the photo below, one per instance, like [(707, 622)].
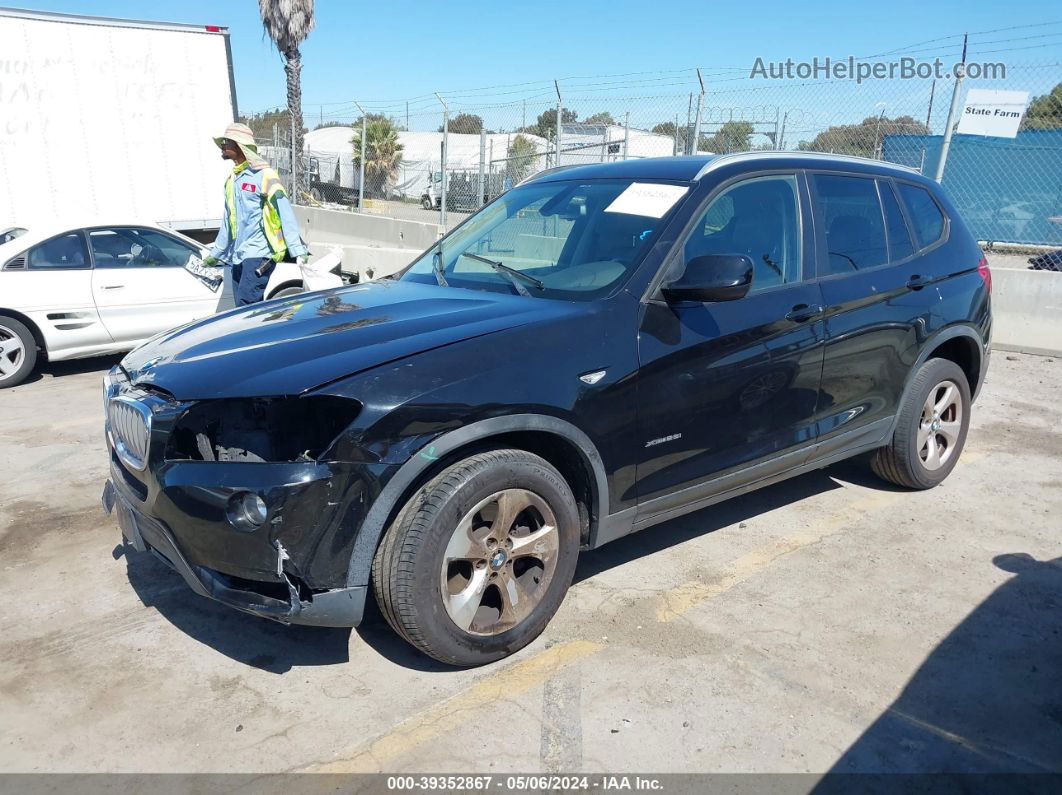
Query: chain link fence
[(1008, 189)]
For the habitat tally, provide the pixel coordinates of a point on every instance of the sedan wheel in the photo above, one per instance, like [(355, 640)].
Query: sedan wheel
[(499, 562), (18, 352)]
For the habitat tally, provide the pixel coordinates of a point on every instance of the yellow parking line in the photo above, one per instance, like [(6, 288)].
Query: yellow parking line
[(682, 598), (455, 710)]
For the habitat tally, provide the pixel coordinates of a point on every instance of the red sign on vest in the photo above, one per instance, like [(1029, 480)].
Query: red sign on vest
[(247, 186)]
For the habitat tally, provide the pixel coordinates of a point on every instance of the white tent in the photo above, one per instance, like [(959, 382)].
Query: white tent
[(604, 143), (421, 155)]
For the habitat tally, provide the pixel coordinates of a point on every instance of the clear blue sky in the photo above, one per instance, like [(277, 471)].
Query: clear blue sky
[(404, 48)]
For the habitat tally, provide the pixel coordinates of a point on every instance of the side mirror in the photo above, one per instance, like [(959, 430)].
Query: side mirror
[(712, 277)]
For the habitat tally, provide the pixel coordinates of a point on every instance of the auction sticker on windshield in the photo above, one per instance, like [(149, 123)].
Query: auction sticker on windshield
[(647, 198)]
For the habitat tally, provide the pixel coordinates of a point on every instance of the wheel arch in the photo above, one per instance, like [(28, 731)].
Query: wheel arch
[(556, 440), (28, 323), (961, 344), (284, 286)]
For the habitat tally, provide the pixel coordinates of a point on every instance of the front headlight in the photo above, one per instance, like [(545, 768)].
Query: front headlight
[(273, 429)]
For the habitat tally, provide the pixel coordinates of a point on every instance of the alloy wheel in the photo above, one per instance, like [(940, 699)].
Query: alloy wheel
[(940, 425), (12, 353), (499, 562)]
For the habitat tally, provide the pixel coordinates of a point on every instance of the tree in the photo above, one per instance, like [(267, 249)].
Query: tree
[(1045, 111), (863, 139), (669, 129), (468, 123), (546, 124), (383, 152), (323, 125), (288, 23), (262, 124), (733, 136), (522, 154), (604, 117)]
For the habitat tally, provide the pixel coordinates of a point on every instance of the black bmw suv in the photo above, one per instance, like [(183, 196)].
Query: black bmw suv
[(600, 349)]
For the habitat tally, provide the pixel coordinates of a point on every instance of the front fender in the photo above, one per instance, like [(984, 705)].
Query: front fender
[(389, 499)]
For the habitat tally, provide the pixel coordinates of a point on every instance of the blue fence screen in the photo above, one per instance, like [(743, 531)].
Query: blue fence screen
[(1009, 190)]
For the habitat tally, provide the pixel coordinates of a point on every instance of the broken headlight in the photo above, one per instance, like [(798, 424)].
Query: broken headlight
[(280, 429)]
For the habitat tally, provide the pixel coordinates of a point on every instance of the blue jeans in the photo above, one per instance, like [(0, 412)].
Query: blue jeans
[(247, 286)]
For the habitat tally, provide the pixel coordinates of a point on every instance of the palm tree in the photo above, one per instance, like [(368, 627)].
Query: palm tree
[(383, 152), (288, 23)]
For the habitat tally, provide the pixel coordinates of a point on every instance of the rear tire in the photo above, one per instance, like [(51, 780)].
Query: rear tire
[(477, 562), (18, 352), (930, 430)]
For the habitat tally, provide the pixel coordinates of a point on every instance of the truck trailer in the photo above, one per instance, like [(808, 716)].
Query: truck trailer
[(112, 119)]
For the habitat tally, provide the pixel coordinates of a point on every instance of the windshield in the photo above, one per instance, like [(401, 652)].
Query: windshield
[(573, 240)]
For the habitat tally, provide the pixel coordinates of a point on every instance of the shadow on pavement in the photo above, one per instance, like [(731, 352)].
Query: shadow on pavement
[(988, 699), (248, 639), (96, 364), (723, 514)]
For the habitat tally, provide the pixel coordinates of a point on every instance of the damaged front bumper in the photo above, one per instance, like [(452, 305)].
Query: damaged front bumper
[(336, 607)]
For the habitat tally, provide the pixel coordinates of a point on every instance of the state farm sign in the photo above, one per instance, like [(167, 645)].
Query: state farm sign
[(989, 112)]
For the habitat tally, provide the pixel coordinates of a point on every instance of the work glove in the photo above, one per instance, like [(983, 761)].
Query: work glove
[(208, 260)]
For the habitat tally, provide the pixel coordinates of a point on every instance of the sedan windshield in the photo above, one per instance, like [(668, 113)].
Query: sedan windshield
[(574, 240)]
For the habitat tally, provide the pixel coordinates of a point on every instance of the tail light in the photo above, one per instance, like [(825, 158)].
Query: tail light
[(985, 273)]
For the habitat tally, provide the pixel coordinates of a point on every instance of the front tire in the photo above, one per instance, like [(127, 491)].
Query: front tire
[(480, 558), (287, 292), (931, 428), (18, 352)]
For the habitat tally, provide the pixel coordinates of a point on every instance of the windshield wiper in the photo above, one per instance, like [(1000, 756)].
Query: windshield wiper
[(512, 273), (437, 266)]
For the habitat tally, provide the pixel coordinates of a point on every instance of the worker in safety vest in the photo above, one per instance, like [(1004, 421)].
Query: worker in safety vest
[(259, 228)]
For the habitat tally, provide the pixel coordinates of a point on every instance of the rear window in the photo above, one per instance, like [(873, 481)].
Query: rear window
[(926, 217), (63, 252), (851, 214)]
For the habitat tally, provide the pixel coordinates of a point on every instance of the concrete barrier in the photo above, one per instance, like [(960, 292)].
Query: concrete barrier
[(373, 246), (1027, 311)]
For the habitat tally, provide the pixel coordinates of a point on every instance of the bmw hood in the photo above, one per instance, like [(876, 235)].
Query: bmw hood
[(291, 345)]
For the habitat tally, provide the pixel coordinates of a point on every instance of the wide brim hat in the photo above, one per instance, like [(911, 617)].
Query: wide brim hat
[(243, 137)]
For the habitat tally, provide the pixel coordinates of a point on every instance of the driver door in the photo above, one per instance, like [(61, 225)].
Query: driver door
[(730, 385), (140, 285)]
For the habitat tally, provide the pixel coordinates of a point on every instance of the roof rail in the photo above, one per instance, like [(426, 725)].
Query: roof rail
[(722, 160)]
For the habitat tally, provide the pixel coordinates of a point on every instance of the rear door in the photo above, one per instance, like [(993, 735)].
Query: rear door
[(725, 385), (878, 304), (140, 285)]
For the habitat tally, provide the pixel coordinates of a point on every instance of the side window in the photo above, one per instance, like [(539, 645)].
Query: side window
[(65, 251), (899, 237), (851, 215), (759, 218), (926, 217), (137, 248)]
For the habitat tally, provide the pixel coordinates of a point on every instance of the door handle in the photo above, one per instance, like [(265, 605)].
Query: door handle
[(112, 286), (803, 312), (917, 282)]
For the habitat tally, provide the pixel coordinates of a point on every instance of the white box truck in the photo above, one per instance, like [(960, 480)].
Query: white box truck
[(112, 119)]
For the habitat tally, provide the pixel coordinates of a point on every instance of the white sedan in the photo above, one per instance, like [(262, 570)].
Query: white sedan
[(68, 292)]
